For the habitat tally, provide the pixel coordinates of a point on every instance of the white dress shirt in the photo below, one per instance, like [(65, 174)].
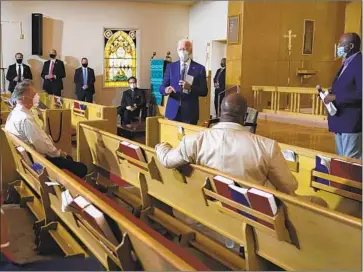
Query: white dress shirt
[(231, 149), (22, 124), (21, 69)]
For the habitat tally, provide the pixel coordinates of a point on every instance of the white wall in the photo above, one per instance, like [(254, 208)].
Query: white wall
[(207, 22), (75, 30)]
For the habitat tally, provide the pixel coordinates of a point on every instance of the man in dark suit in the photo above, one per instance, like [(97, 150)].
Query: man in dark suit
[(18, 72), (184, 82), (53, 74), (346, 95), (132, 102), (85, 79), (219, 85)]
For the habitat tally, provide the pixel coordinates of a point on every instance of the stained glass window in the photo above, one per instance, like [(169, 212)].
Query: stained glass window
[(119, 57)]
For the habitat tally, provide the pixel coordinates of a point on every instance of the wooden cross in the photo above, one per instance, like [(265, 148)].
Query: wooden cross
[(290, 36)]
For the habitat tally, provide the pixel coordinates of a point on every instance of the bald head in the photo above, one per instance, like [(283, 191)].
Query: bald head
[(351, 43), (233, 109)]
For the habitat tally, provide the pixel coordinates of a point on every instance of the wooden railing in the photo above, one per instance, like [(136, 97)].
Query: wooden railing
[(289, 100)]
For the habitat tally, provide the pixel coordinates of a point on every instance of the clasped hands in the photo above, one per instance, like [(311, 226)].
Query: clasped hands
[(50, 76), (131, 108), (185, 86), (16, 79)]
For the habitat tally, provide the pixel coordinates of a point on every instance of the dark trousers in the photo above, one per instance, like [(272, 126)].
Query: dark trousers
[(85, 96), (182, 117), (128, 116), (77, 168), (216, 105)]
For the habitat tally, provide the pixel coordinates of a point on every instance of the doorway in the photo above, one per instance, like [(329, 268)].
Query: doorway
[(218, 51)]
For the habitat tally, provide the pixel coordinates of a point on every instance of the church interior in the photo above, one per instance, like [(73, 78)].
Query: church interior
[(180, 135)]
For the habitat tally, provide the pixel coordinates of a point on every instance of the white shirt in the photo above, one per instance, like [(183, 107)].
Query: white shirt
[(21, 69), (231, 149), (50, 66), (187, 65), (22, 124)]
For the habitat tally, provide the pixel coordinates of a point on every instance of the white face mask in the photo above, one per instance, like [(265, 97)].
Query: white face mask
[(183, 55), (133, 85), (36, 100)]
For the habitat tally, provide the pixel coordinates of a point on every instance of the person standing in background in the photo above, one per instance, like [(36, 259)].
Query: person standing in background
[(346, 95), (219, 85), (184, 82), (84, 78), (18, 72), (53, 74)]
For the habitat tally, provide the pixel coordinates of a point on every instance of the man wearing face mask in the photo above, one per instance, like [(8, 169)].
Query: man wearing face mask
[(219, 85), (22, 124), (53, 74), (346, 94), (184, 82), (18, 72), (132, 102), (84, 78)]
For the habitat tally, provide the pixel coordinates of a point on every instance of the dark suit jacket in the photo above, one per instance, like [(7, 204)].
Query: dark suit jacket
[(221, 80), (128, 99), (58, 71), (190, 101), (78, 79), (13, 73), (348, 91)]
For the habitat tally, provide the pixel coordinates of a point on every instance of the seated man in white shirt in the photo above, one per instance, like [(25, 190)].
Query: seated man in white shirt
[(230, 148), (22, 124)]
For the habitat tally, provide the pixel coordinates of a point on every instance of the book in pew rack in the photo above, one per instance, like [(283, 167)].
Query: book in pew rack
[(346, 170), (222, 188), (240, 196), (263, 202), (322, 164), (89, 212)]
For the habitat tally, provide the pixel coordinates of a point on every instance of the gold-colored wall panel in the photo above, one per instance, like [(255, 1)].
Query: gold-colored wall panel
[(353, 17), (264, 51)]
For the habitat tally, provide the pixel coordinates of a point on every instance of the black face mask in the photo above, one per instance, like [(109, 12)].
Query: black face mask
[(19, 61), (52, 56), (85, 65), (223, 65)]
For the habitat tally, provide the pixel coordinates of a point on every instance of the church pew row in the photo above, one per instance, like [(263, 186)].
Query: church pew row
[(55, 122), (315, 238), (162, 130), (135, 239), (81, 111)]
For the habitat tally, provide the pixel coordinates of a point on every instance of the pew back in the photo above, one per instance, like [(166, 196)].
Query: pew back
[(315, 233), (92, 112), (163, 130), (153, 250)]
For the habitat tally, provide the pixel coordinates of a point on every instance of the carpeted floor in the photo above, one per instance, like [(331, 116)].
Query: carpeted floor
[(21, 235)]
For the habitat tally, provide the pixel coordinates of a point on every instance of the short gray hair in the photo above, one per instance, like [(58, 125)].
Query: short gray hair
[(21, 88)]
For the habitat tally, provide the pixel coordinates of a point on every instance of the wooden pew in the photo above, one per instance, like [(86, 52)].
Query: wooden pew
[(139, 241), (92, 112), (162, 130), (318, 238), (55, 122)]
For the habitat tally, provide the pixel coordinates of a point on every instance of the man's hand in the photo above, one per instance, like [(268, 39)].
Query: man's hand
[(63, 154), (84, 87), (216, 85), (49, 76), (185, 85), (129, 108), (16, 79), (169, 90), (329, 98)]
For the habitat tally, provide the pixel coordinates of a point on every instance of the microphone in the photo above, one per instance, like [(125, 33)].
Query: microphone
[(332, 110)]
